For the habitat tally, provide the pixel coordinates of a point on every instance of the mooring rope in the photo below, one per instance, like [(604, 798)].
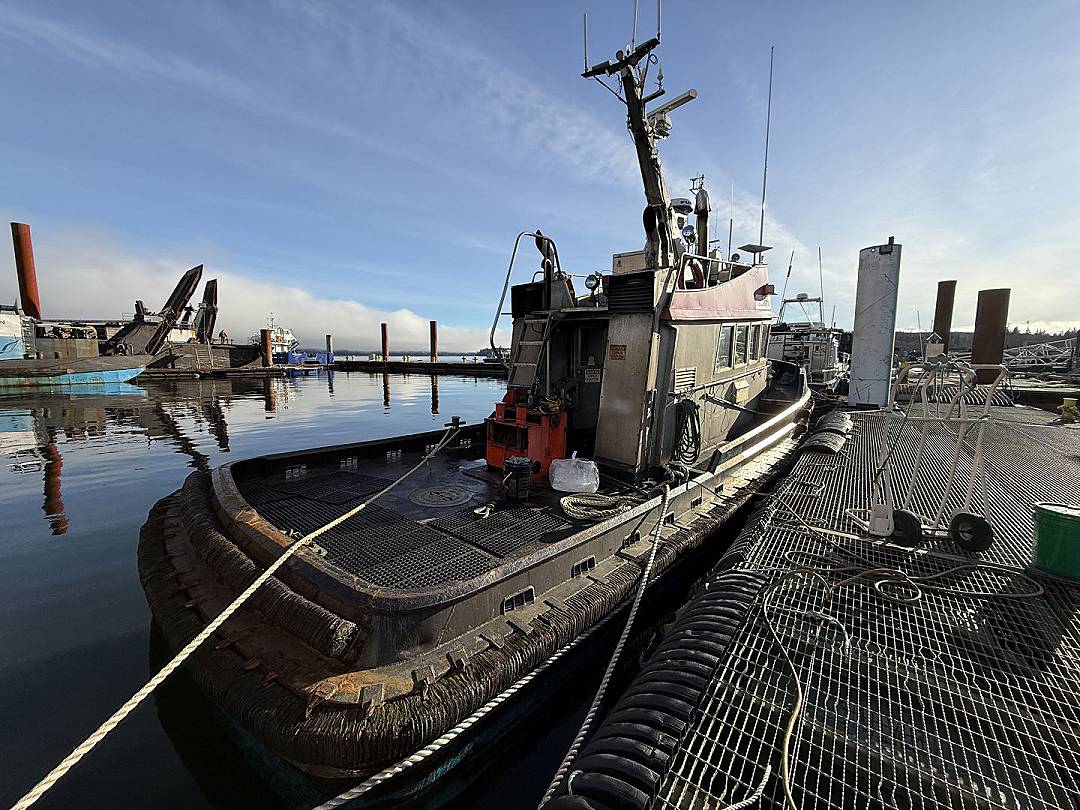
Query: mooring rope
[(88, 744), (586, 724)]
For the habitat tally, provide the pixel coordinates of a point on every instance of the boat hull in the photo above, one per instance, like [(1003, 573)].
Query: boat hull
[(286, 681), (68, 373)]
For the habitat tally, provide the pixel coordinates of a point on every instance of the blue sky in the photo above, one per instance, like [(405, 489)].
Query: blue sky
[(343, 162)]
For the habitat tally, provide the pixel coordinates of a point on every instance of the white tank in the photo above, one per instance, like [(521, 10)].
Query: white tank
[(875, 325)]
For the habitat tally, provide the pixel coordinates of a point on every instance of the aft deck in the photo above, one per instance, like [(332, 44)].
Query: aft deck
[(959, 691), (424, 533)]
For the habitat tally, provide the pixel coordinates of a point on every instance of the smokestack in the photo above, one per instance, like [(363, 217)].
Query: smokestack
[(24, 266), (385, 343), (946, 294), (701, 210), (991, 319), (434, 326), (875, 326)]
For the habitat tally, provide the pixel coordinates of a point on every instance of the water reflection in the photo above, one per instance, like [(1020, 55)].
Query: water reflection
[(35, 425)]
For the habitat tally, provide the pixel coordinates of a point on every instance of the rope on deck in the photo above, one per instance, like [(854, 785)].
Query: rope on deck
[(586, 724), (90, 742)]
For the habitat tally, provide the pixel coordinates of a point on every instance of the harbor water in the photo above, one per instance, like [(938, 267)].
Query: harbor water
[(79, 471)]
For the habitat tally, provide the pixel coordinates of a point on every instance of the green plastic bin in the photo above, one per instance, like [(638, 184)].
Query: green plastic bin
[(1057, 539)]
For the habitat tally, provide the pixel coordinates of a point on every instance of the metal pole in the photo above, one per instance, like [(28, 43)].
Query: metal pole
[(991, 322), (765, 172), (24, 266), (943, 312), (434, 327), (267, 348), (385, 344)]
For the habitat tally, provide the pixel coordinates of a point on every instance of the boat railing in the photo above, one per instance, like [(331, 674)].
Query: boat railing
[(506, 286)]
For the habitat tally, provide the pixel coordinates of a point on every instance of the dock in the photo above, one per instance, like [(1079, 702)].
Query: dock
[(478, 369), (817, 667)]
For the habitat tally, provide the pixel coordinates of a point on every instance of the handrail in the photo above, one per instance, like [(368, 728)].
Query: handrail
[(506, 286)]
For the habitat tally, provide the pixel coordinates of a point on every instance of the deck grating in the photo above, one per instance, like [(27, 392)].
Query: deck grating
[(507, 531), (965, 698)]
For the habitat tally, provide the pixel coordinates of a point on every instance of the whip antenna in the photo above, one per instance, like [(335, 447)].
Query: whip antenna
[(765, 173)]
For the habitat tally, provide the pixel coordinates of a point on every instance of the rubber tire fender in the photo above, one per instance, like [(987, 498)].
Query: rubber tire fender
[(661, 721), (679, 709), (659, 687), (614, 792), (575, 803), (648, 755), (689, 680), (630, 771), (648, 735)]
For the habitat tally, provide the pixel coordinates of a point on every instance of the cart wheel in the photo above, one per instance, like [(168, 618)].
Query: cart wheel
[(907, 528), (971, 532)]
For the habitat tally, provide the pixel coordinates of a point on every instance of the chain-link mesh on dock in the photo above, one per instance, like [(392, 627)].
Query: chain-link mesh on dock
[(817, 669)]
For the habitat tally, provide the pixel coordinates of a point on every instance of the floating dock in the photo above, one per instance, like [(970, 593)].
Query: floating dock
[(818, 668), (477, 369)]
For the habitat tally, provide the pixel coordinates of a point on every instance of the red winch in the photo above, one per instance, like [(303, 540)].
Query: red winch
[(518, 430)]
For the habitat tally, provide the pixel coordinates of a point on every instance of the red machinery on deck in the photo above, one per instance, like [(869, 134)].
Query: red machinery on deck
[(517, 430)]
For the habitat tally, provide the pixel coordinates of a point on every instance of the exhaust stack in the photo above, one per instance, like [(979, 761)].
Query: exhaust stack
[(24, 266), (874, 335), (988, 343), (943, 310)]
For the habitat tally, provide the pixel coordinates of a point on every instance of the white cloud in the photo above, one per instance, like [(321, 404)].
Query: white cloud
[(84, 274)]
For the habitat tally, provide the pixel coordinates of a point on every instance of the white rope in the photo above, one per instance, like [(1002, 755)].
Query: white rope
[(88, 744), (594, 506), (586, 724)]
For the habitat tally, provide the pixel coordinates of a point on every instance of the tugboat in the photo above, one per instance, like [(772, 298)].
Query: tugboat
[(389, 629)]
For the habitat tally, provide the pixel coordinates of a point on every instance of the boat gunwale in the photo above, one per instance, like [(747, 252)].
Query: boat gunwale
[(263, 536)]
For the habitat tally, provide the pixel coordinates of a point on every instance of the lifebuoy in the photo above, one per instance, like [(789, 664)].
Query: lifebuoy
[(695, 271)]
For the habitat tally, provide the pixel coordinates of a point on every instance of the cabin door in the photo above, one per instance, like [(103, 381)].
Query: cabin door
[(588, 371)]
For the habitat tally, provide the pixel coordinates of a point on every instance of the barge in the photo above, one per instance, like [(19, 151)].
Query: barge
[(428, 573)]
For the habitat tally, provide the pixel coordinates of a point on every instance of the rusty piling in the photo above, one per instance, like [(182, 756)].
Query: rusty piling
[(24, 266), (991, 320)]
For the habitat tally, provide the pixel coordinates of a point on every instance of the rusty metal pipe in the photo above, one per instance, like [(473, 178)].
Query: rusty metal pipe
[(24, 266), (943, 311), (991, 322), (385, 344), (267, 347)]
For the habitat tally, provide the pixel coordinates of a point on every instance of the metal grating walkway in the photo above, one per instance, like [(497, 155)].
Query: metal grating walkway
[(389, 549), (963, 696)]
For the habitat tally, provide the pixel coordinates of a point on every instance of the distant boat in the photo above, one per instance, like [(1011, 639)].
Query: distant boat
[(285, 348), (809, 344), (19, 371)]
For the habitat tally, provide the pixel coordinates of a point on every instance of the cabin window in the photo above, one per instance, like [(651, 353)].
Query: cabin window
[(763, 350), (723, 347), (742, 334), (755, 342)]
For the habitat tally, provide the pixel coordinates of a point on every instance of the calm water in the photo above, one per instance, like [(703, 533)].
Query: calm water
[(78, 474)]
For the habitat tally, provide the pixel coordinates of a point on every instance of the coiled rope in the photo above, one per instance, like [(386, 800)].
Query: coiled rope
[(586, 724), (592, 506), (88, 744)]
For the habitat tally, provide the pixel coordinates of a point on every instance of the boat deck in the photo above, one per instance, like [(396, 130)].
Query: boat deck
[(960, 692), (424, 533)]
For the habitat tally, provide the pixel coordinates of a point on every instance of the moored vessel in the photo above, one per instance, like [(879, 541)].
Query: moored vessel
[(428, 573)]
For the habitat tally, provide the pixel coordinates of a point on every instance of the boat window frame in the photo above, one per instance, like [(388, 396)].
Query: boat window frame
[(721, 363), (744, 328)]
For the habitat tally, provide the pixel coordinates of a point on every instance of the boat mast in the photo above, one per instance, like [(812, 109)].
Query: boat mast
[(646, 128)]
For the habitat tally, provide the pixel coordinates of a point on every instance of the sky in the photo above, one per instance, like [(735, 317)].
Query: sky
[(345, 163)]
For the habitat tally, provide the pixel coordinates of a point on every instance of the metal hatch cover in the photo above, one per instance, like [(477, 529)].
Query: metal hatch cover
[(444, 496)]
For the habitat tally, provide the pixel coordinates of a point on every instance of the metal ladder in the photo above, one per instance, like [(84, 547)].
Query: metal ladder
[(531, 348), (204, 358)]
